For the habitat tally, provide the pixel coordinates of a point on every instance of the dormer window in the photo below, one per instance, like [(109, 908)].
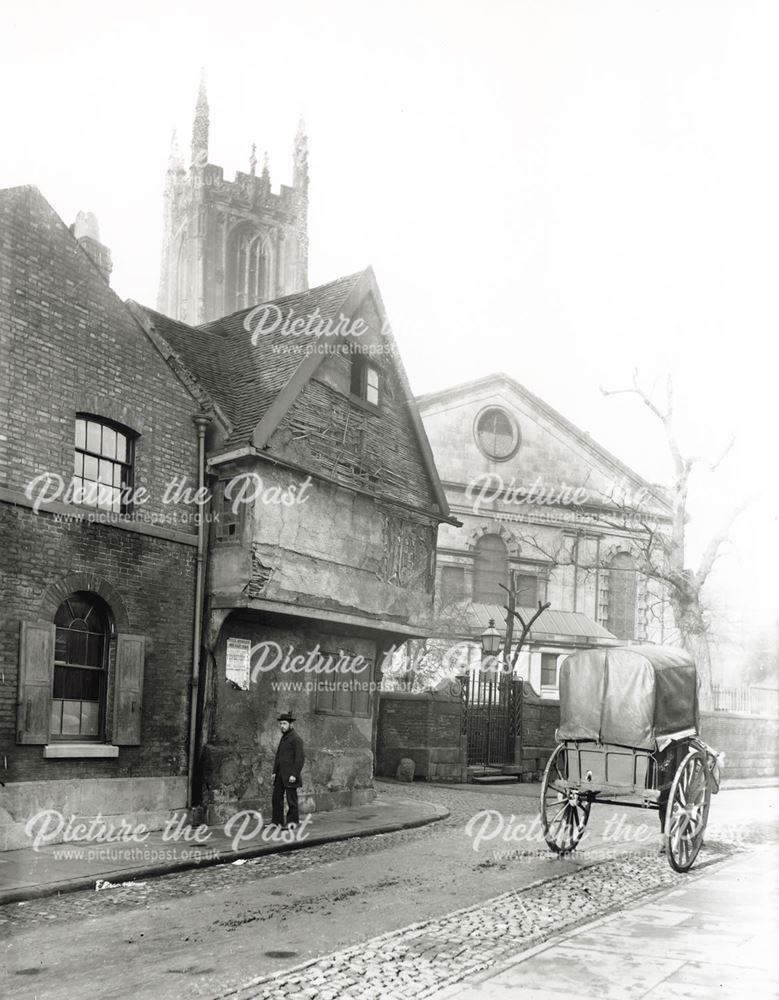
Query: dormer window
[(365, 381)]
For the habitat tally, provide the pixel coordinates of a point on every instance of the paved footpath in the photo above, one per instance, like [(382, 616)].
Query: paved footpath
[(53, 869), (713, 937)]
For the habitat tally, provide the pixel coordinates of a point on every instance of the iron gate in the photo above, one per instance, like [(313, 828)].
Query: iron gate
[(492, 707)]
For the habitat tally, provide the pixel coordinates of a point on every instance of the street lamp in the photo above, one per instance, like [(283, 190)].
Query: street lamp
[(491, 639)]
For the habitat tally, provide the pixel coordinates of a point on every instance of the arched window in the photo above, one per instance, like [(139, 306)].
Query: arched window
[(623, 591), (248, 271), (82, 632), (490, 570)]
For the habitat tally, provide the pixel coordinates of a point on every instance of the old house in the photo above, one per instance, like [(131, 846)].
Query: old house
[(548, 509), (322, 540), (98, 581)]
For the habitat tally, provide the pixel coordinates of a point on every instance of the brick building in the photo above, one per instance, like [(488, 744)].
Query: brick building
[(97, 588)]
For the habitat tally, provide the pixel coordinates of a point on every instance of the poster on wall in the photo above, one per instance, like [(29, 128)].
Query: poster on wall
[(238, 662)]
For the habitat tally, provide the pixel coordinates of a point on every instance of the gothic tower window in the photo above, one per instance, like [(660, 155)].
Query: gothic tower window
[(623, 591), (248, 271), (491, 568)]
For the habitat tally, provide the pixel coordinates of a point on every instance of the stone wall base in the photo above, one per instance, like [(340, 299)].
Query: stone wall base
[(57, 806), (214, 815)]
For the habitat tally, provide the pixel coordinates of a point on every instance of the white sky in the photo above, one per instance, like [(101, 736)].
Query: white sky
[(563, 191)]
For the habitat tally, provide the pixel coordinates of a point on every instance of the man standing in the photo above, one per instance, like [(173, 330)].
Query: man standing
[(286, 774)]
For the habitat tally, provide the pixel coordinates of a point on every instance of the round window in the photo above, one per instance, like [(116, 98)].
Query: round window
[(497, 434)]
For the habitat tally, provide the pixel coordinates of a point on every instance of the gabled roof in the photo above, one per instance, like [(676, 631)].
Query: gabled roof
[(244, 377), (255, 377), (28, 195), (500, 378)]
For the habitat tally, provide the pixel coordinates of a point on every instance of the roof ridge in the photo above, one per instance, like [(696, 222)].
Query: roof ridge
[(280, 300)]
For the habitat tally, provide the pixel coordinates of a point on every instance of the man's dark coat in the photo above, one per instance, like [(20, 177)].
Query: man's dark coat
[(289, 758)]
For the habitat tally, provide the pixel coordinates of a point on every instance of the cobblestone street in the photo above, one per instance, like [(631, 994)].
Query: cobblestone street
[(378, 916)]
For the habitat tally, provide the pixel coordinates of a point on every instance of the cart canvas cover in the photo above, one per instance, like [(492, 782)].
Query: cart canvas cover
[(633, 696)]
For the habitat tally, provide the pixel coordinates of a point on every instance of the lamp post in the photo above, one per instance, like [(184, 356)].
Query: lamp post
[(490, 644)]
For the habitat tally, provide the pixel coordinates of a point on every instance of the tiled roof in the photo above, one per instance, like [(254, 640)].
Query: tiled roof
[(245, 377), (551, 623)]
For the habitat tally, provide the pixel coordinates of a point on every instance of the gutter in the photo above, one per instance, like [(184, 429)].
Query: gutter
[(201, 421)]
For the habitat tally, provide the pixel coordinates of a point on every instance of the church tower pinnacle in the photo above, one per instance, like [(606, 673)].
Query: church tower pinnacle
[(230, 245), (200, 127)]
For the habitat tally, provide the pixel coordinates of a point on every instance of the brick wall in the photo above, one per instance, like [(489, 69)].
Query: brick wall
[(159, 603), (74, 346), (70, 345), (425, 727)]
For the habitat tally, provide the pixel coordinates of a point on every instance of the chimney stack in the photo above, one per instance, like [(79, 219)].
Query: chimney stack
[(86, 230)]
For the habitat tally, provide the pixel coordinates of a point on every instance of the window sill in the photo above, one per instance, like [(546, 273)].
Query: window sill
[(363, 403), (60, 751)]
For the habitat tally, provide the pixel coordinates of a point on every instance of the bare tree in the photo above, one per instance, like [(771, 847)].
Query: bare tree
[(663, 553)]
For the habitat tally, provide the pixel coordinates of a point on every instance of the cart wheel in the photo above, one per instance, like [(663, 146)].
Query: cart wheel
[(564, 811), (687, 811)]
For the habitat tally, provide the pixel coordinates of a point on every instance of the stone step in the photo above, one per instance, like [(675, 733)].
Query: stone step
[(494, 779)]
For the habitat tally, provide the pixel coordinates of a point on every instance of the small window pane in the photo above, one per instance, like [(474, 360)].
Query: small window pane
[(117, 475), (60, 649), (343, 700), (90, 467), (56, 718), (373, 377), (105, 471), (71, 718), (94, 651), (90, 685), (121, 448), (109, 442), (355, 384), (90, 718), (77, 647), (93, 437), (78, 464), (81, 433), (362, 702), (59, 681)]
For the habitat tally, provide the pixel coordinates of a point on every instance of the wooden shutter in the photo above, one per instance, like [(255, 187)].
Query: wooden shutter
[(128, 689), (36, 679)]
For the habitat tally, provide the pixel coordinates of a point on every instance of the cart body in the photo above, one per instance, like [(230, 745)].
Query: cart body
[(629, 730)]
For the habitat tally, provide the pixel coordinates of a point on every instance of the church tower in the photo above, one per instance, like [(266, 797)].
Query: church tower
[(230, 244)]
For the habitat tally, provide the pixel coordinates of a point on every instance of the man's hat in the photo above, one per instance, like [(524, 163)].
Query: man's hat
[(286, 717)]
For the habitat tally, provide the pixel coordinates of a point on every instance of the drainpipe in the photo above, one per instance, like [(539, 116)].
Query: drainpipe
[(201, 421)]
